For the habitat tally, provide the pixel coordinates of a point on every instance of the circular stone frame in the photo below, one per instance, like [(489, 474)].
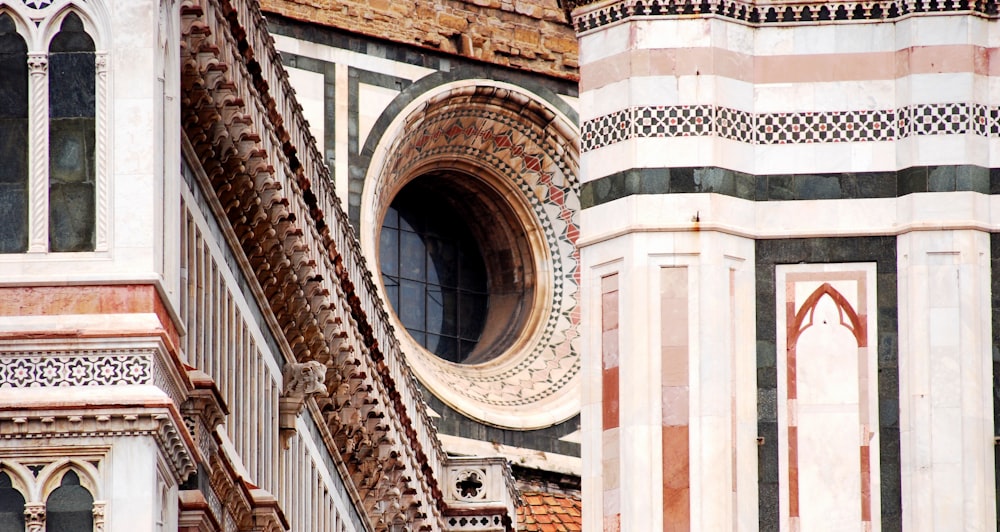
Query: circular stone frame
[(519, 148), (512, 250)]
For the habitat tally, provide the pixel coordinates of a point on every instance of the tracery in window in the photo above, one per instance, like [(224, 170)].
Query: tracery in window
[(11, 505), (13, 139), (72, 97), (70, 507), (434, 273)]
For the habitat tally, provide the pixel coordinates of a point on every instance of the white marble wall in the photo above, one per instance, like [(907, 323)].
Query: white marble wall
[(945, 367), (721, 378)]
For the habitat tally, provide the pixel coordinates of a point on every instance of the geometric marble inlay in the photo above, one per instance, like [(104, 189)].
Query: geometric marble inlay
[(38, 4), (69, 370), (789, 128)]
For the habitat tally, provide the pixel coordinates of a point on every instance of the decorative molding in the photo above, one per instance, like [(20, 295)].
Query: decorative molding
[(790, 128), (770, 12), (38, 4), (158, 423), (204, 410), (504, 133), (174, 446)]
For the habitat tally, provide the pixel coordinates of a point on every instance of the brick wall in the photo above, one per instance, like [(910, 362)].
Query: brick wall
[(531, 35)]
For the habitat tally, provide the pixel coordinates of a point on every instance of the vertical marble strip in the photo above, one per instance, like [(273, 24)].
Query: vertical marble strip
[(733, 411), (38, 216), (610, 394), (675, 392), (790, 396), (102, 178)]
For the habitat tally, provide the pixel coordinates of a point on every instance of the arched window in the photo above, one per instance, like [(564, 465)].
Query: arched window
[(13, 139), (70, 507), (72, 174), (11, 505)]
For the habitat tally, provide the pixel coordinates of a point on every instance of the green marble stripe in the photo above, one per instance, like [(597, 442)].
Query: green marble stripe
[(784, 187)]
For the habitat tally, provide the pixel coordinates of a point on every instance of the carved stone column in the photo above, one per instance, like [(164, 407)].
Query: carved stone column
[(101, 177), (38, 126), (34, 516), (99, 516)]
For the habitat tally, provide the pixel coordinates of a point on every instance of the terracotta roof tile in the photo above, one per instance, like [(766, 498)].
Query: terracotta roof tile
[(549, 512)]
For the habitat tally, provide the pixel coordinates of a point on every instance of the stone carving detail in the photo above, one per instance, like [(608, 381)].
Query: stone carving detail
[(90, 370), (303, 378), (300, 380), (470, 484), (99, 516), (38, 63), (34, 516)]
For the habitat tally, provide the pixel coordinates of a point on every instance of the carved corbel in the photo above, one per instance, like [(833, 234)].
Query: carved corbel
[(300, 380)]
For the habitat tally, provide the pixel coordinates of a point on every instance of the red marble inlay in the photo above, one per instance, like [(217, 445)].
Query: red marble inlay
[(90, 299), (609, 399)]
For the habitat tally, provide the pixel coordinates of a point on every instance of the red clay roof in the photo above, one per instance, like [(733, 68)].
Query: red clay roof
[(549, 512)]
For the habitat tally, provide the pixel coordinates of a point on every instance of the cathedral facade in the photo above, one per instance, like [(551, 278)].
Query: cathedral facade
[(492, 265)]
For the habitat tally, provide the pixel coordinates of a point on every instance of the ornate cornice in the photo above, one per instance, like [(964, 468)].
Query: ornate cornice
[(590, 15), (158, 423), (242, 122)]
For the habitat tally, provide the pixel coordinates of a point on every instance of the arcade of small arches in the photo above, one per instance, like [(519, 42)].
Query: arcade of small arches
[(56, 497), (52, 130)]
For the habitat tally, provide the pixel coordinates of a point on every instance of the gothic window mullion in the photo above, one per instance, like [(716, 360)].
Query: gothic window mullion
[(101, 145), (38, 223)]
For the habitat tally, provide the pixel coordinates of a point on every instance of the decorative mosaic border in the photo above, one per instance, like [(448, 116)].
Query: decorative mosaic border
[(754, 13), (520, 153), (789, 128), (102, 369)]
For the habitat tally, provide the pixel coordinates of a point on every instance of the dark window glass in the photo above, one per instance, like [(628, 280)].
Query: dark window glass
[(13, 139), (11, 505), (434, 273), (70, 507), (72, 175)]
